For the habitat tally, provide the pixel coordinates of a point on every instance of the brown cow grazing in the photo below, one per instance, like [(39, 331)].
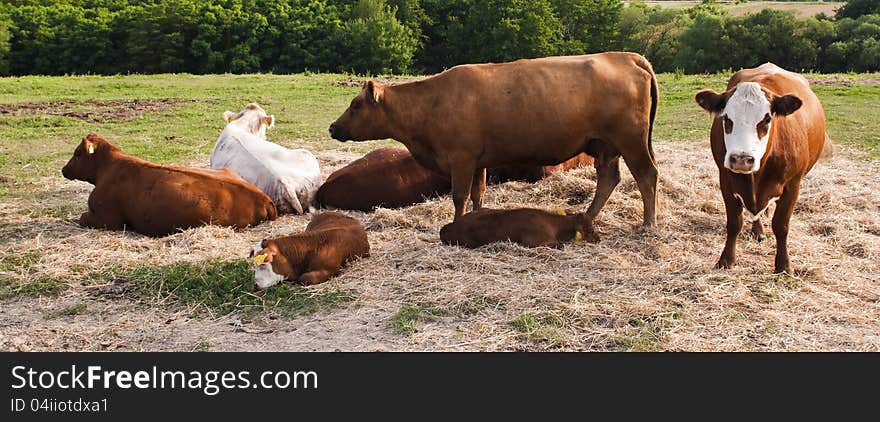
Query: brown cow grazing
[(329, 241), (526, 226), (155, 200), (532, 174), (533, 112), (767, 133), (386, 177)]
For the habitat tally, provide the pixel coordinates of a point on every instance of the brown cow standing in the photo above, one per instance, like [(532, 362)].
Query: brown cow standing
[(159, 200), (313, 256), (768, 132), (536, 112), (526, 226), (392, 178)]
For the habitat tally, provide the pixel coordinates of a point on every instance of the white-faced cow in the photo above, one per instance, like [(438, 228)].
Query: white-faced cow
[(528, 112), (768, 132), (289, 176)]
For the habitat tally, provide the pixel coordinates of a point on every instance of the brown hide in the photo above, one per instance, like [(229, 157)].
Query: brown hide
[(386, 177), (529, 112), (526, 226), (531, 174), (329, 241), (796, 142), (155, 200), (391, 178)]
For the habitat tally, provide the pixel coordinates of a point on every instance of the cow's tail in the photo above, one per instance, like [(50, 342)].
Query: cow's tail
[(655, 97), (827, 149), (643, 63)]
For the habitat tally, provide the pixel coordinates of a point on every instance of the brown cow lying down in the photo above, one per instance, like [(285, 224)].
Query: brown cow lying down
[(532, 174), (391, 178), (313, 256), (526, 226), (155, 200), (386, 177)]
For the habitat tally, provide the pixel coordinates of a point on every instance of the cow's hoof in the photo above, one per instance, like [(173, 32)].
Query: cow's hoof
[(724, 264), (760, 238)]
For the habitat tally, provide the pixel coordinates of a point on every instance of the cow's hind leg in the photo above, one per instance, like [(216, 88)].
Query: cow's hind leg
[(478, 188), (607, 177), (643, 169)]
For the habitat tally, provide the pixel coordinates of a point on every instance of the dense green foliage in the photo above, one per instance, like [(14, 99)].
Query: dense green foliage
[(416, 36)]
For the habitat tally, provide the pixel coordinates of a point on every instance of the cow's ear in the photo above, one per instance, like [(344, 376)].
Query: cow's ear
[(711, 101), (269, 121), (228, 116), (89, 146), (374, 92), (785, 105)]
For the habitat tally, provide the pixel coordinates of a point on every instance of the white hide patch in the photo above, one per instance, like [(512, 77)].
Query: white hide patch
[(264, 276), (746, 108), (747, 215)]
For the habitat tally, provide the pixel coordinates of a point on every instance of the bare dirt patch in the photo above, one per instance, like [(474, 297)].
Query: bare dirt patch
[(92, 111), (635, 290), (359, 82), (842, 81)]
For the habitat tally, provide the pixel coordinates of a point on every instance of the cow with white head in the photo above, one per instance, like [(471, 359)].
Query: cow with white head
[(768, 130), (289, 176)]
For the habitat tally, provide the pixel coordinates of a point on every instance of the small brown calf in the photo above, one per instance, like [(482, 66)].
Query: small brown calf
[(526, 226)]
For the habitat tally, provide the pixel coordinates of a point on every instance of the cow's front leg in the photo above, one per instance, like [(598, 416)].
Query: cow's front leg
[(314, 277), (781, 218), (478, 188), (733, 207), (462, 176), (92, 220)]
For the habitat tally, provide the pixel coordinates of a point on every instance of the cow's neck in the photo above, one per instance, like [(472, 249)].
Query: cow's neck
[(406, 113), (758, 189)]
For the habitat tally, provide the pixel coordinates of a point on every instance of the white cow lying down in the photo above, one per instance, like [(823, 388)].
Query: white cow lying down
[(289, 176)]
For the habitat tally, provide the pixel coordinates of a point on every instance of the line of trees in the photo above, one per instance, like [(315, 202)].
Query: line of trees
[(418, 36)]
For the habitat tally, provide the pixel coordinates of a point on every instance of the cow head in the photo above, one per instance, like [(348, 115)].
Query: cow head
[(746, 112), (87, 157), (366, 117), (252, 118), (269, 265)]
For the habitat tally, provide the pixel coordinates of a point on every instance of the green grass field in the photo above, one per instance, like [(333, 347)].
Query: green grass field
[(63, 273), (35, 144)]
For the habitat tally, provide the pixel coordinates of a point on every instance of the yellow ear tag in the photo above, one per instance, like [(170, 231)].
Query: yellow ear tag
[(91, 148), (260, 259), (578, 237), (560, 211)]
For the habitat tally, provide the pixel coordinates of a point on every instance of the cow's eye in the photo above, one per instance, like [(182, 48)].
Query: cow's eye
[(767, 118), (728, 124)]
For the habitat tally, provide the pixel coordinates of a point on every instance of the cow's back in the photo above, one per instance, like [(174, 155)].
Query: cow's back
[(289, 177), (386, 177), (158, 200)]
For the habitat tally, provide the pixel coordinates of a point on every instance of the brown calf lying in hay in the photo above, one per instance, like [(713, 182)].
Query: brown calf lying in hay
[(526, 226), (156, 200), (313, 256)]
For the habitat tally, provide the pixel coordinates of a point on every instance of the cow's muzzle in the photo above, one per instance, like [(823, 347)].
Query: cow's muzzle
[(741, 163), (337, 133)]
